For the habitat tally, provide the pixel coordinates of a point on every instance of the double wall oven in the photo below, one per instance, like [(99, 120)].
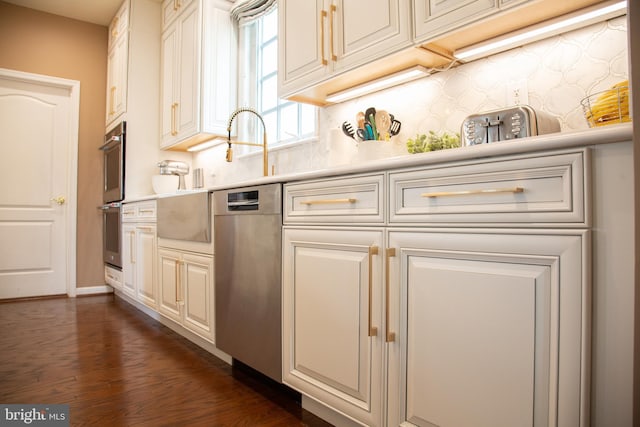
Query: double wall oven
[(113, 194)]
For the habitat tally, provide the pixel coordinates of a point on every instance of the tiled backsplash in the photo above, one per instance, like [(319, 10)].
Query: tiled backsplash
[(558, 73)]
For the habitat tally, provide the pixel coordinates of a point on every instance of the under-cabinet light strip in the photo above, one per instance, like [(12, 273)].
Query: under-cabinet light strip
[(379, 84), (545, 29)]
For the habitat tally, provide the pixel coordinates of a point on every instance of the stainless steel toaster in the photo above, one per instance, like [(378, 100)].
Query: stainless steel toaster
[(510, 123)]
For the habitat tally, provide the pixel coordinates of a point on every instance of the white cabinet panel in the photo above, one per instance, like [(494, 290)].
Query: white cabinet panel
[(185, 281), (321, 39), (490, 322), (198, 294), (332, 345), (146, 242), (436, 17), (198, 73)]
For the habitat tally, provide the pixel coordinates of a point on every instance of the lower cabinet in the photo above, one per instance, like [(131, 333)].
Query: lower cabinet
[(139, 262), (446, 327), (332, 321), (186, 290), (488, 328)]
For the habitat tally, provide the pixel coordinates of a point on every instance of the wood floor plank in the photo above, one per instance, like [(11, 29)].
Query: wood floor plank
[(115, 366)]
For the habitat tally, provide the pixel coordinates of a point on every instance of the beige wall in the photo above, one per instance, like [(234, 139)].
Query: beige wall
[(43, 43)]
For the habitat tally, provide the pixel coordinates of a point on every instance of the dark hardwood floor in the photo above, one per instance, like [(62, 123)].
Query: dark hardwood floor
[(115, 366)]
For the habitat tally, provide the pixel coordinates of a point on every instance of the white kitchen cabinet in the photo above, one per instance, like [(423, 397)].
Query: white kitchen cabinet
[(432, 17), (139, 242), (332, 318), (186, 290), (117, 64), (320, 39), (482, 315), (489, 327), (198, 73)]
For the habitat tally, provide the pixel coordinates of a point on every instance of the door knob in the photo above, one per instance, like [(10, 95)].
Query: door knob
[(59, 200)]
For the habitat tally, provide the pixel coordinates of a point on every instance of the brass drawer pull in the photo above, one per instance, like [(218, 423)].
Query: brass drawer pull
[(389, 336), (328, 201), (373, 250), (474, 192)]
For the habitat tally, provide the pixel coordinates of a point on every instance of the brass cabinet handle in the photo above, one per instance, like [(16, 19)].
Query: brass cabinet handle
[(474, 192), (114, 30), (112, 96), (179, 296), (389, 336), (132, 247), (177, 278), (328, 201), (146, 211), (174, 107), (333, 12), (373, 250), (323, 17), (176, 4), (145, 228)]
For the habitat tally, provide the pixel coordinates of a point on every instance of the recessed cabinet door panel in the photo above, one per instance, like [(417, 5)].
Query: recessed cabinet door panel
[(168, 270), (328, 296), (189, 65), (434, 17), (145, 270), (489, 322), (169, 78), (303, 38), (197, 273), (368, 29), (129, 259)]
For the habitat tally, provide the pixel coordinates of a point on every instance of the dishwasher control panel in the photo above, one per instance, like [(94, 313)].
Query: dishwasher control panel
[(243, 201)]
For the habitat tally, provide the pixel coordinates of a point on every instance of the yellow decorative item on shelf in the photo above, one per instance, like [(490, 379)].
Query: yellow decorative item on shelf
[(608, 107)]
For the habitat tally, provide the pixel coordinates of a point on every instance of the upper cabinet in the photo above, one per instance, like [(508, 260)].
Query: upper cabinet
[(433, 17), (198, 71), (327, 46), (321, 39), (117, 64)]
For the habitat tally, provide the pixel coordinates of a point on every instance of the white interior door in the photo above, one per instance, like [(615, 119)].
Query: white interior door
[(38, 146)]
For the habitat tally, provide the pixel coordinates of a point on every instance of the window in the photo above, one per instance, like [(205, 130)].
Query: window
[(286, 121)]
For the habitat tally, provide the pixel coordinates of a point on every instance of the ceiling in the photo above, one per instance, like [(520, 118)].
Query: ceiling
[(95, 11)]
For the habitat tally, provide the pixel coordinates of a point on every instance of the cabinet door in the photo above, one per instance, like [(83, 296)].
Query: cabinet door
[(303, 43), (435, 17), (168, 281), (332, 322), (117, 65), (364, 30), (128, 259), (169, 78), (494, 323), (197, 276), (146, 262), (187, 93)]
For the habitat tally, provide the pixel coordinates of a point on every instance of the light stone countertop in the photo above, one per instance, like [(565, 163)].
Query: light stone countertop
[(556, 141)]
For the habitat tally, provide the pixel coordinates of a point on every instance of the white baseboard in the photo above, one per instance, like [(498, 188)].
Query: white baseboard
[(91, 290)]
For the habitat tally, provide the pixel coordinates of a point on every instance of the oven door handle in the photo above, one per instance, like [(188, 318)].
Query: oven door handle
[(110, 143)]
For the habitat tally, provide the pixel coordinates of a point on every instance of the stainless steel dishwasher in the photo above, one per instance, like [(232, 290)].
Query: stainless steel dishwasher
[(247, 243)]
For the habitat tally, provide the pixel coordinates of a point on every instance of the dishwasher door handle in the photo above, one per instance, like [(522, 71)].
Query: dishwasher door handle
[(243, 203)]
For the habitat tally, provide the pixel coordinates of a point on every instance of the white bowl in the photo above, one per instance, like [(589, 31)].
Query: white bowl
[(165, 183)]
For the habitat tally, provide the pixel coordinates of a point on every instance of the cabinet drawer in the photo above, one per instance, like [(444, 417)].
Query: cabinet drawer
[(534, 190), (345, 200), (139, 211)]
